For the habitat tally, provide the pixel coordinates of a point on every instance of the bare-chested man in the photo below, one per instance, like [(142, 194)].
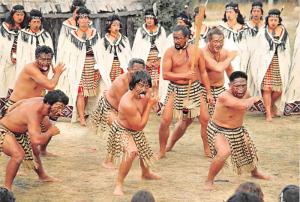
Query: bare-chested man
[(108, 104), (24, 118), (127, 130), (217, 62), (177, 69), (226, 133), (33, 81)]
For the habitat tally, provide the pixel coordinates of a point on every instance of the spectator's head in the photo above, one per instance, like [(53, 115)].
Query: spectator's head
[(290, 193), (17, 15), (181, 35), (143, 196), (273, 18), (257, 10), (113, 24), (6, 195), (238, 84), (243, 197), (232, 12), (251, 188)]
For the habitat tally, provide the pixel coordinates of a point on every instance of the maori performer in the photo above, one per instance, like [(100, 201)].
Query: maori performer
[(293, 90), (82, 55), (107, 109), (217, 62), (234, 30), (68, 25), (176, 68), (115, 48), (24, 120), (32, 82), (149, 42), (227, 135), (184, 20), (30, 38), (270, 64), (127, 130), (9, 31)]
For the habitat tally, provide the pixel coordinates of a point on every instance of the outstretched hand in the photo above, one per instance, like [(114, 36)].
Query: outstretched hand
[(60, 68)]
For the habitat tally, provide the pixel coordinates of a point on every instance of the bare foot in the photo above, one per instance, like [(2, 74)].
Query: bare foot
[(208, 186), (150, 176), (168, 148), (82, 122), (256, 174), (268, 117), (161, 155), (48, 154), (49, 179), (118, 190), (108, 165)]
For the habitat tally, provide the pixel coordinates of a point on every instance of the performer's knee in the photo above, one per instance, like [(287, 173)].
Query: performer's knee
[(223, 154), (133, 154), (18, 156)]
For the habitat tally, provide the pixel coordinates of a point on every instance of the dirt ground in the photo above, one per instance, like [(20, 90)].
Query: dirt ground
[(184, 170)]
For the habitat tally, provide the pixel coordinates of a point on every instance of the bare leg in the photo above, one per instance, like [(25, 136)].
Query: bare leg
[(178, 132), (16, 153), (164, 128), (267, 103), (40, 170), (274, 97), (223, 152), (80, 108), (203, 119), (108, 164), (147, 174)]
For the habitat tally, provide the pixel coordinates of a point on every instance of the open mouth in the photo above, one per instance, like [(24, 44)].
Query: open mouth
[(142, 94)]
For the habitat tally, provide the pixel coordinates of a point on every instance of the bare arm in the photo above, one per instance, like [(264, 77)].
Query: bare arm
[(42, 80), (236, 103), (229, 70), (137, 121), (219, 66), (34, 130), (203, 72)]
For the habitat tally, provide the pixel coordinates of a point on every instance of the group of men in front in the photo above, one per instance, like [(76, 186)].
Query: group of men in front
[(133, 92)]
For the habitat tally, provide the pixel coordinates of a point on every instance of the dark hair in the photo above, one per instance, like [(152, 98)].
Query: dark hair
[(267, 19), (290, 193), (140, 76), (142, 196), (56, 96), (237, 74), (109, 22), (37, 13), (214, 31), (10, 20), (6, 195), (136, 61), (82, 10), (186, 18), (240, 18), (186, 32), (150, 12), (243, 197), (76, 4), (258, 4), (43, 49), (251, 188)]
